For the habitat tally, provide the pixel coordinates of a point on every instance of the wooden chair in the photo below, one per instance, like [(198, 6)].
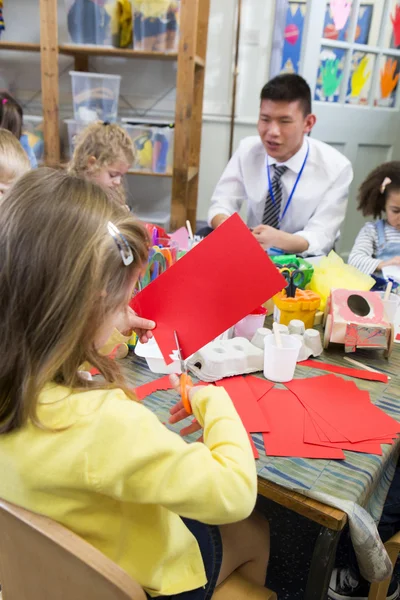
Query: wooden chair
[(42, 560), (378, 591)]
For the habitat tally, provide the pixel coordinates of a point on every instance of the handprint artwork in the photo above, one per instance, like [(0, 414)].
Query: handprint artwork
[(388, 78), (396, 26), (359, 78), (340, 10), (330, 78)]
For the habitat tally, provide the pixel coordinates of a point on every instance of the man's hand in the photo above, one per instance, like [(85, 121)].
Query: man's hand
[(130, 321), (218, 220), (267, 236)]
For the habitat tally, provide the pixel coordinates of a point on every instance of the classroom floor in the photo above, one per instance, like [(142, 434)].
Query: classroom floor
[(292, 542)]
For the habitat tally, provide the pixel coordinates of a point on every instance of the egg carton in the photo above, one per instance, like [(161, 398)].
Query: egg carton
[(226, 358)]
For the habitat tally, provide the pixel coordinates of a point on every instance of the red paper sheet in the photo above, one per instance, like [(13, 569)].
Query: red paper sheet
[(285, 414), (312, 435), (358, 373), (258, 386), (245, 403), (348, 411), (163, 383), (208, 290)]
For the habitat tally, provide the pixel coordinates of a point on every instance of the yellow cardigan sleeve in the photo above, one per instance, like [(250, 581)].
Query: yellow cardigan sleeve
[(132, 457)]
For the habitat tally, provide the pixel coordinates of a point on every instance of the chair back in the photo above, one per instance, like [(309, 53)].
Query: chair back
[(42, 560)]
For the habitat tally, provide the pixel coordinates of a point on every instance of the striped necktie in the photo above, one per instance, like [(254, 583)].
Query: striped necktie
[(272, 210)]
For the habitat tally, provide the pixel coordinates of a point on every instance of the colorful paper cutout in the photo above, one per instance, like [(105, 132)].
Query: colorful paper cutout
[(157, 385), (340, 10), (358, 373), (388, 77), (208, 290)]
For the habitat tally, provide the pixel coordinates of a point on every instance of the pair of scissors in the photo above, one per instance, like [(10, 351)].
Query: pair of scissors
[(185, 379), (291, 275)]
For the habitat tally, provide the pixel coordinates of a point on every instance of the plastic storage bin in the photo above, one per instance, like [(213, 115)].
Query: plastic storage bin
[(95, 96), (154, 146), (74, 128), (88, 22), (156, 26), (33, 129)]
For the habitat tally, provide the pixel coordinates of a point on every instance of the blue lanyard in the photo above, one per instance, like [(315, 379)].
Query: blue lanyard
[(271, 191)]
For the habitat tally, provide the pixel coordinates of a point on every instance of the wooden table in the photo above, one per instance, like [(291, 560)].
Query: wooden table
[(283, 480)]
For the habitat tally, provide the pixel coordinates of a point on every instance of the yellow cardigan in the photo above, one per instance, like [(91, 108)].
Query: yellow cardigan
[(120, 479)]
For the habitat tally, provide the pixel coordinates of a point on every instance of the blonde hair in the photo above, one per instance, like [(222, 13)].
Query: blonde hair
[(61, 275), (107, 142), (14, 161)]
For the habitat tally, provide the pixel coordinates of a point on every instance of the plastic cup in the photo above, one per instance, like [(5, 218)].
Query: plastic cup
[(248, 326), (391, 305), (280, 363)]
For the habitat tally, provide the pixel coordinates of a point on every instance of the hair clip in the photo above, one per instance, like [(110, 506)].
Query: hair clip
[(124, 248), (387, 181), (4, 101), (106, 123)]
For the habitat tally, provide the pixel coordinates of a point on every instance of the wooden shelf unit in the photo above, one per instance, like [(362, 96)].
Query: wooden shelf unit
[(191, 60)]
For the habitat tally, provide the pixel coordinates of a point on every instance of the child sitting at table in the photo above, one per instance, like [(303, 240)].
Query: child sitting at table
[(13, 160), (104, 153), (378, 243), (86, 453), (11, 118)]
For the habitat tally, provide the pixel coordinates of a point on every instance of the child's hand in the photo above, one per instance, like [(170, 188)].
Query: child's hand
[(392, 261), (178, 413), (130, 321)]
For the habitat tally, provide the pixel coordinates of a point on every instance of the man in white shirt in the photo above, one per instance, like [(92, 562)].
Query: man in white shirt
[(296, 187)]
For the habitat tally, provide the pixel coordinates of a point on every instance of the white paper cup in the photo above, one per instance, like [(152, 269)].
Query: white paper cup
[(280, 363), (391, 305), (312, 340), (258, 337), (248, 326), (296, 326), (283, 329)]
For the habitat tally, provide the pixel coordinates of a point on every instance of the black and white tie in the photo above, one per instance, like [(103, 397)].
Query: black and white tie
[(273, 210)]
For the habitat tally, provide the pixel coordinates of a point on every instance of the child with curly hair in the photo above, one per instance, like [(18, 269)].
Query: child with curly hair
[(378, 243), (103, 154)]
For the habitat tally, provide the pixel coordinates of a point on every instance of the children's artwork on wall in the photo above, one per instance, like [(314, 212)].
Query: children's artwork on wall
[(388, 80), (293, 36), (330, 74), (395, 19), (340, 11), (2, 26), (336, 26)]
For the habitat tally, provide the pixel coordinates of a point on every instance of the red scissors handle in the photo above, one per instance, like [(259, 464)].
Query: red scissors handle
[(186, 381)]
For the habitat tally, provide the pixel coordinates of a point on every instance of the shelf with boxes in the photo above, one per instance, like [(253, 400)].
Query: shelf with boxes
[(180, 35)]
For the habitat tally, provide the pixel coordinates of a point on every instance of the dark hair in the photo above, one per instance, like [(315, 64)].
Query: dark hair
[(10, 114), (288, 87), (371, 200)]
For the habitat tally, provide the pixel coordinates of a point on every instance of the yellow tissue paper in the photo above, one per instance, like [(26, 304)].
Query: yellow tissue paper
[(333, 272)]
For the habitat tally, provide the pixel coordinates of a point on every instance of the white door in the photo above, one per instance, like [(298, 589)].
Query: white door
[(351, 59)]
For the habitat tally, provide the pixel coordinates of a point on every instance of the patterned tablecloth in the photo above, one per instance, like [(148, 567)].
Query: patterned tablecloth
[(361, 478)]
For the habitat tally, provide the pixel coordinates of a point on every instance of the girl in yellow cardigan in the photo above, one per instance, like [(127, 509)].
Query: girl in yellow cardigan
[(86, 453)]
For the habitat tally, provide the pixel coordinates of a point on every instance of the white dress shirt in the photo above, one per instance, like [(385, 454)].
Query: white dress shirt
[(319, 203)]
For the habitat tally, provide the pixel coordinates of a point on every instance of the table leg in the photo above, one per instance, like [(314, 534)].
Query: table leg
[(322, 564)]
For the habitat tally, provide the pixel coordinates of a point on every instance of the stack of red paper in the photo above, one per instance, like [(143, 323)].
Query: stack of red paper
[(317, 417), (314, 418)]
